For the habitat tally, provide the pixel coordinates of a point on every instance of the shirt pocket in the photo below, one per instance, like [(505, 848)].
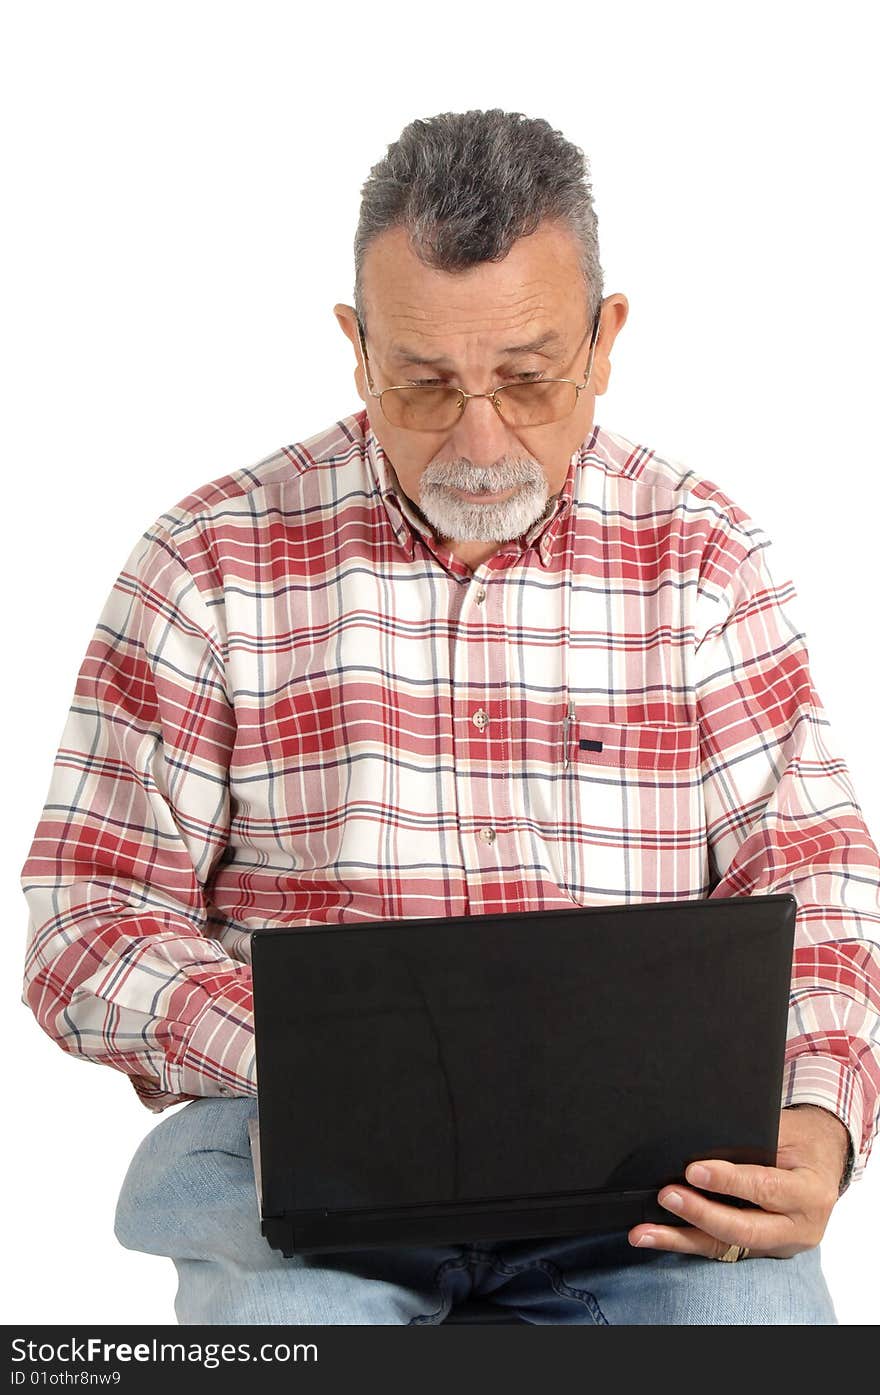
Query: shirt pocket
[(633, 817)]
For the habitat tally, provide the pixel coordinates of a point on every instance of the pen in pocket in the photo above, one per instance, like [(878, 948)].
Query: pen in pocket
[(566, 733)]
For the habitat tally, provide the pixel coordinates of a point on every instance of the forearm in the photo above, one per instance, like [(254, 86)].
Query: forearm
[(164, 1005)]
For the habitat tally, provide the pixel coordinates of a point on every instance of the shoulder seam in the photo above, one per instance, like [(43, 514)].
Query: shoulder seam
[(166, 542), (243, 483), (687, 485)]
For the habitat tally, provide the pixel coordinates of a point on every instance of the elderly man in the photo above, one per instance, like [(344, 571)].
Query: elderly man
[(369, 678)]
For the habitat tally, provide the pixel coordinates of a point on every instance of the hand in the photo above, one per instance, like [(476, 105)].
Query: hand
[(796, 1197)]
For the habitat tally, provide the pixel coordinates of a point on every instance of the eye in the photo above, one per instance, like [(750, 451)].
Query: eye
[(534, 376)]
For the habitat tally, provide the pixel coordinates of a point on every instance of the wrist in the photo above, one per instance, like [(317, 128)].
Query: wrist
[(846, 1154)]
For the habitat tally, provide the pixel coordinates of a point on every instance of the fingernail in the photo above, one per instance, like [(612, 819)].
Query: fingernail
[(698, 1174), (646, 1242), (673, 1201)]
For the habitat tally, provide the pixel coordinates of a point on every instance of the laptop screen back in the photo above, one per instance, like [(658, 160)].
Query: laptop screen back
[(416, 1063)]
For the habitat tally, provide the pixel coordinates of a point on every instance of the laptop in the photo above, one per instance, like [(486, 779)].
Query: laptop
[(494, 1077)]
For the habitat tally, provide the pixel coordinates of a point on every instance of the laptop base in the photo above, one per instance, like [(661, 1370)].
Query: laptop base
[(443, 1226)]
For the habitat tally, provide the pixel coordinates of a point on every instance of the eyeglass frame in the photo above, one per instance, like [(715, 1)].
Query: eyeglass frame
[(465, 397)]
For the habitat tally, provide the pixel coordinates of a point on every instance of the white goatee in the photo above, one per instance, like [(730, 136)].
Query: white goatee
[(466, 520)]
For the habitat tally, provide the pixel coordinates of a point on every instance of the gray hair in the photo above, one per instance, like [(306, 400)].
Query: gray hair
[(466, 185)]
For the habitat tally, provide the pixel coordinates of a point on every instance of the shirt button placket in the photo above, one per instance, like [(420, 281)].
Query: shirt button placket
[(480, 719)]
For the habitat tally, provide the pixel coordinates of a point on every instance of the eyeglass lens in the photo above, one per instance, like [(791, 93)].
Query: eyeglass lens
[(437, 408)]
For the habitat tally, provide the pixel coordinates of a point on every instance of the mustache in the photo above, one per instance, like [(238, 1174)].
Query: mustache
[(483, 479)]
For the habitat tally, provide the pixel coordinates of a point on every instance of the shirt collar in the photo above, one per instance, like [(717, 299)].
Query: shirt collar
[(407, 524)]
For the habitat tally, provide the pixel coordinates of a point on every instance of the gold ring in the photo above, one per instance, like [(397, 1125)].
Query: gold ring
[(733, 1253)]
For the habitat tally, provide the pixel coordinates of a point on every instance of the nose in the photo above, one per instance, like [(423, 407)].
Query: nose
[(480, 434)]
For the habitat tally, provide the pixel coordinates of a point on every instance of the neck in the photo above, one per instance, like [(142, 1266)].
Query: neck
[(471, 553)]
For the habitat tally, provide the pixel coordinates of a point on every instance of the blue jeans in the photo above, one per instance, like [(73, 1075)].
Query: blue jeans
[(189, 1193)]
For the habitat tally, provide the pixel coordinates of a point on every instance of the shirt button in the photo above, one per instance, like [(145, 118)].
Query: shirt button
[(224, 1090), (480, 596), (488, 835), (480, 719)]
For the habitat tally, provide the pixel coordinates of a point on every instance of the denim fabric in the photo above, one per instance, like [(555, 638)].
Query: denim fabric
[(189, 1194)]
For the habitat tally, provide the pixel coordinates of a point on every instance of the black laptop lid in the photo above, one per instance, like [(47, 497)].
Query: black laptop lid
[(432, 1064)]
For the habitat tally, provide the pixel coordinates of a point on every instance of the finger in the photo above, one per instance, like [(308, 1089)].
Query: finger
[(683, 1240), (782, 1190), (734, 1225)]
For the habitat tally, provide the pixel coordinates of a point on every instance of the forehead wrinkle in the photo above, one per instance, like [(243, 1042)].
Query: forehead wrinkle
[(550, 340), (519, 327), (422, 319)]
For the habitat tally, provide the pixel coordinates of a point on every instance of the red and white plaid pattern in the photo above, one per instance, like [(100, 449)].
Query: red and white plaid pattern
[(297, 708)]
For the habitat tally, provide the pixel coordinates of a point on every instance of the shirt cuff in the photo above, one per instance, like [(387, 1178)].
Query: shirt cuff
[(217, 1055), (829, 1083)]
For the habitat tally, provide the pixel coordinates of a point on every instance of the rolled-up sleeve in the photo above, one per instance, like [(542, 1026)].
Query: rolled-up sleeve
[(121, 966), (782, 816)]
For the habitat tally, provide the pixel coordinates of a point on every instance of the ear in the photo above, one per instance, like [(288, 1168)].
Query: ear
[(346, 318), (615, 309)]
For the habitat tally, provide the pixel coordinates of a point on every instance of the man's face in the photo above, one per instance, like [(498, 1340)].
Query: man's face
[(481, 479)]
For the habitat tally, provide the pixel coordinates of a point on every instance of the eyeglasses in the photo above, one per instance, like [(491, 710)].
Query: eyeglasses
[(435, 406)]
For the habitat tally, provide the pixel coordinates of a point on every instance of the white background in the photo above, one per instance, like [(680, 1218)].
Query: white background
[(183, 182)]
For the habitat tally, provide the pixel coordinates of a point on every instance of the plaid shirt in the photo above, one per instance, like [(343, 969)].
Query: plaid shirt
[(298, 708)]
